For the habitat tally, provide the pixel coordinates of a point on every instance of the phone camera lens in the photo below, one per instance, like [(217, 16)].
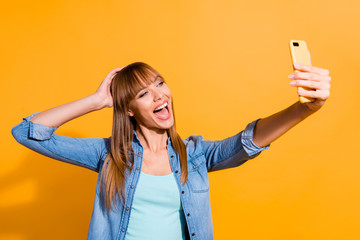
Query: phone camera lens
[(296, 44)]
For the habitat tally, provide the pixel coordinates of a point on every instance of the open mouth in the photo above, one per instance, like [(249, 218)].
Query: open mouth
[(162, 112)]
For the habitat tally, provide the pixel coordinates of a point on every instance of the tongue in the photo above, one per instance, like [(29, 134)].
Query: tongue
[(163, 113)]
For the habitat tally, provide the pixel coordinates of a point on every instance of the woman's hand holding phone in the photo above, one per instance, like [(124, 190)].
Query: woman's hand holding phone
[(314, 78)]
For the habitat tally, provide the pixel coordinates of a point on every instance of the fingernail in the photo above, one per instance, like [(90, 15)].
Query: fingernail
[(291, 76), (296, 65), (293, 83)]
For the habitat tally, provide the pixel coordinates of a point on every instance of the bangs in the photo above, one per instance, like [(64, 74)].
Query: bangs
[(140, 79), (130, 81)]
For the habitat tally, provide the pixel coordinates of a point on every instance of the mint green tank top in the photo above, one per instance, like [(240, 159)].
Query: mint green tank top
[(156, 212)]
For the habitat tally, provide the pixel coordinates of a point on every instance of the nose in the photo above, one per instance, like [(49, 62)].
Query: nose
[(158, 95)]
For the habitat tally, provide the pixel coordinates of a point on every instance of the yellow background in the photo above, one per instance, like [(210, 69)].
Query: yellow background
[(226, 63)]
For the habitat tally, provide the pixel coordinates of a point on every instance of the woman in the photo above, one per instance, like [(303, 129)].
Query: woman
[(152, 184)]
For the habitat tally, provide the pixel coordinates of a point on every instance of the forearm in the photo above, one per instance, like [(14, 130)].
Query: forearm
[(59, 115), (270, 128)]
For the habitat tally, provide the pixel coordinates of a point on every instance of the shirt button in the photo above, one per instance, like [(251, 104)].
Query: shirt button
[(172, 156), (137, 168), (188, 214), (132, 186), (193, 234), (127, 209), (182, 192), (123, 230), (176, 171), (194, 166)]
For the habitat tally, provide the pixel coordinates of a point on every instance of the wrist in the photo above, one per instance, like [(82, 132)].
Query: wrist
[(304, 110), (97, 102)]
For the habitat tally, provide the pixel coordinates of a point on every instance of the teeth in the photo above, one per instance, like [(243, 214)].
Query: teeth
[(162, 106)]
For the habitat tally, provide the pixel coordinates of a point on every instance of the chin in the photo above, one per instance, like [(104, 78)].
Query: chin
[(168, 125)]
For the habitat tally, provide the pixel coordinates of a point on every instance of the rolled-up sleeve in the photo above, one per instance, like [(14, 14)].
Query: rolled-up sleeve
[(233, 151), (247, 140), (84, 152), (39, 131)]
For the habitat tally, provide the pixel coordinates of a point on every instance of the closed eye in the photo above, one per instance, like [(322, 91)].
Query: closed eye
[(159, 84), (142, 94)]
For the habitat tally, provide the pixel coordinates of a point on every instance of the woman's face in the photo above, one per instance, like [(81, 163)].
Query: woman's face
[(155, 96)]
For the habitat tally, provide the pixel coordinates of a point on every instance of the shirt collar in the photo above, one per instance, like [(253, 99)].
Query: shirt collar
[(136, 138)]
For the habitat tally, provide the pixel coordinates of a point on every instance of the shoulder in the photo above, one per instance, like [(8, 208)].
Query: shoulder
[(194, 145), (104, 145)]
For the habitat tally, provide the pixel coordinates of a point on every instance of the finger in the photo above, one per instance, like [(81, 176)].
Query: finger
[(308, 84), (311, 84), (309, 68), (118, 69), (309, 76), (319, 94), (115, 70), (112, 73)]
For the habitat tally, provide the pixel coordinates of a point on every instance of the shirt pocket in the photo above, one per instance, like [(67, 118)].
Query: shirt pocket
[(197, 175)]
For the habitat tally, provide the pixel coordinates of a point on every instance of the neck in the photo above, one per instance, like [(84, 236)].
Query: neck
[(153, 140)]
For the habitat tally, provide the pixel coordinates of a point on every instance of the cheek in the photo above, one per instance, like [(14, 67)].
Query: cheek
[(168, 92), (144, 109)]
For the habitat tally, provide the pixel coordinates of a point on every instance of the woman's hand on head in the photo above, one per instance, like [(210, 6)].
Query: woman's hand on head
[(103, 92), (315, 78)]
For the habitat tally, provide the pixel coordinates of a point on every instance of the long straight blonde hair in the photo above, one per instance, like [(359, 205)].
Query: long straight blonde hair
[(124, 87)]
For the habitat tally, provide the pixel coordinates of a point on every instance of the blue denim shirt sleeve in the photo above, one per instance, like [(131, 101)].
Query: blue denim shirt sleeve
[(84, 152), (232, 151)]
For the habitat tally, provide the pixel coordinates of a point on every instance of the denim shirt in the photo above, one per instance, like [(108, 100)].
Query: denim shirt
[(203, 156)]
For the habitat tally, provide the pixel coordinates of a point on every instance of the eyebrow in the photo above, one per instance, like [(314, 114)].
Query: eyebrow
[(156, 77)]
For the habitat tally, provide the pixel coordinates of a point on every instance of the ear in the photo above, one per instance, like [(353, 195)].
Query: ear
[(130, 113)]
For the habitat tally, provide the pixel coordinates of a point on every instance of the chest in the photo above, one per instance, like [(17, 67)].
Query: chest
[(156, 163)]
